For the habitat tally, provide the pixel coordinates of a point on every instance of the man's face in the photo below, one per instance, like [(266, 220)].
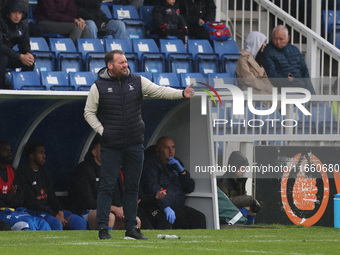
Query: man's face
[(118, 67), (280, 38), (39, 156), (6, 154), (15, 16), (171, 2), (166, 149)]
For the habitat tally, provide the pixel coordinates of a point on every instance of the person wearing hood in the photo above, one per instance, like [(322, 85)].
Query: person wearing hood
[(284, 63), (14, 31), (168, 20), (249, 69), (113, 109), (234, 186)]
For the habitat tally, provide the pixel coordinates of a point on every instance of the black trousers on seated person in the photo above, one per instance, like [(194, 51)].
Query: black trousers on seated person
[(6, 62), (186, 218)]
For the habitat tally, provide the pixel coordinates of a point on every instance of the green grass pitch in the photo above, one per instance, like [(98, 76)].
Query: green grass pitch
[(257, 240)]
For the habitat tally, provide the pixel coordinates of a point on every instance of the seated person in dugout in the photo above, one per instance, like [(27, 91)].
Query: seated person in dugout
[(39, 193), (234, 187), (11, 197), (249, 69), (163, 174)]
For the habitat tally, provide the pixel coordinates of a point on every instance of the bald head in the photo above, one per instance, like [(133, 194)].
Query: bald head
[(165, 149)]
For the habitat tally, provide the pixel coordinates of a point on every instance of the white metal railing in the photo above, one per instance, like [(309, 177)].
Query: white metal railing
[(321, 56)]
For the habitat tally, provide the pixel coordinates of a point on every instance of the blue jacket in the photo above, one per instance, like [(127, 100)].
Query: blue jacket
[(157, 176), (278, 63)]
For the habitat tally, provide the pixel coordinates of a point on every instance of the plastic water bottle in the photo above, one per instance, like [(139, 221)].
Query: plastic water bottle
[(168, 236), (337, 211)]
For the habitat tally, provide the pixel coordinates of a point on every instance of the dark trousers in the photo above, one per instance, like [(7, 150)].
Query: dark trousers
[(6, 62), (186, 218), (130, 160)]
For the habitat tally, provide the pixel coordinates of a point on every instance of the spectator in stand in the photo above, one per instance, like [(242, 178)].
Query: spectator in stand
[(97, 22), (84, 186), (163, 171), (39, 193), (14, 32), (11, 197), (249, 68), (60, 17), (284, 63), (196, 13), (168, 20), (234, 187)]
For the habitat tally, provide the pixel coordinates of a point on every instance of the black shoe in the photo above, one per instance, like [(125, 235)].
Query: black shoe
[(104, 234), (134, 234)]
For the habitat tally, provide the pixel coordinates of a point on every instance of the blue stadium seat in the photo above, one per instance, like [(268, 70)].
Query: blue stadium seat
[(147, 75), (89, 45), (68, 59), (189, 78), (179, 61), (105, 8), (150, 59), (118, 44), (166, 79), (225, 47), (217, 80), (129, 15), (145, 14), (95, 61), (229, 64), (56, 81), (26, 81), (44, 58), (330, 23), (82, 81), (206, 60)]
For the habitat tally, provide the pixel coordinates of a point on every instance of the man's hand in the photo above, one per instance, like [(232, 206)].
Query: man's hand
[(27, 59), (175, 163), (189, 92), (118, 211), (170, 215), (60, 217), (80, 23)]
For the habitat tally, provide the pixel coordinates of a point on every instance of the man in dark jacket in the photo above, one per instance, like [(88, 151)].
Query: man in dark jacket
[(84, 185), (163, 171), (168, 20), (284, 63), (196, 13), (96, 20), (39, 193), (14, 32), (113, 110)]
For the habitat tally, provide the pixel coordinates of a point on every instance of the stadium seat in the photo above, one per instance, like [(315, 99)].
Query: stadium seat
[(68, 59), (189, 78), (82, 81), (95, 61), (44, 58), (225, 47), (105, 8), (147, 75), (179, 61), (145, 14), (166, 79), (26, 81), (128, 14), (206, 61), (150, 59), (218, 80), (330, 24), (89, 45), (118, 44), (55, 81)]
